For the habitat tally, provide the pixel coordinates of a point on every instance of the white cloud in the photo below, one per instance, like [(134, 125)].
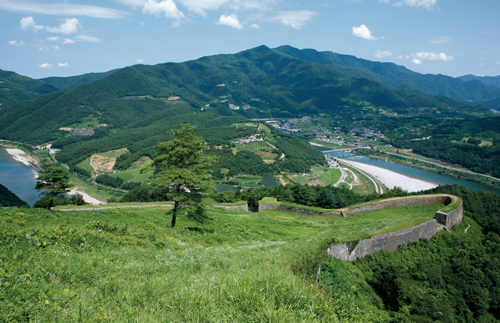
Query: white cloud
[(295, 19), (166, 7), (52, 38), (68, 27), (440, 40), (28, 23), (382, 54), (425, 4), (88, 39), (231, 21), (63, 65), (61, 9), (384, 1), (68, 41), (142, 23), (16, 43), (254, 26), (200, 7), (400, 57), (45, 65), (363, 32), (480, 64), (140, 60), (498, 62), (133, 3), (420, 56)]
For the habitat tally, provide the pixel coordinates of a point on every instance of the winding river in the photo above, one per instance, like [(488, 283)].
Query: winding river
[(17, 177), (423, 175), (20, 178)]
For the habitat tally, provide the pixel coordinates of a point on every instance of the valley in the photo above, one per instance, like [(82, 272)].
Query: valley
[(293, 141)]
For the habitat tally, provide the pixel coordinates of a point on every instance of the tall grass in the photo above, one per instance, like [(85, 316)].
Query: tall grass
[(127, 265)]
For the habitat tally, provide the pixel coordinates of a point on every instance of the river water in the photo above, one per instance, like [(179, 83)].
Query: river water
[(423, 175), (18, 178)]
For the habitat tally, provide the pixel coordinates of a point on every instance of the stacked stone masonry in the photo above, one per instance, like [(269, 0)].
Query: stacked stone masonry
[(390, 241)]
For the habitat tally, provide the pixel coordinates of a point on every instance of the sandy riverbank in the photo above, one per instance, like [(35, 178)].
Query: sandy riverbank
[(392, 179), (22, 157), (87, 198)]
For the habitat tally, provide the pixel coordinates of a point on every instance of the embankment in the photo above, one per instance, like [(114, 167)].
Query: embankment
[(451, 215)]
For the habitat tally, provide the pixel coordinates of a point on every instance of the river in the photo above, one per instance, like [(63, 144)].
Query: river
[(423, 175), (18, 178)]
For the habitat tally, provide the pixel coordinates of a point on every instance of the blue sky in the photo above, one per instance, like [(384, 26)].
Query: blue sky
[(62, 38)]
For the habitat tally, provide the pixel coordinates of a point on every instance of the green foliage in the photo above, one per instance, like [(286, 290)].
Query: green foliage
[(400, 77), (269, 181), (182, 166), (108, 180), (299, 155), (9, 199), (54, 183), (485, 160), (243, 162)]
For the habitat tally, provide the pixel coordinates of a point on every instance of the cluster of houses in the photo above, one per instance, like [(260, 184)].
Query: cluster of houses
[(367, 132), (250, 139)]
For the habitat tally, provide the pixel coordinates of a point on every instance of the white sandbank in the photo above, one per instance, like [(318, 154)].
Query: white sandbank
[(87, 198), (392, 179), (22, 157)]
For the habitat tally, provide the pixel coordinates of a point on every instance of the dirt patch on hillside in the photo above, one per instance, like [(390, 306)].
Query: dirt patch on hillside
[(314, 182), (102, 164)]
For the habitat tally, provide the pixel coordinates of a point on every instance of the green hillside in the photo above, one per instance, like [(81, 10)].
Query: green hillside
[(256, 82), (9, 199), (126, 264), (463, 88)]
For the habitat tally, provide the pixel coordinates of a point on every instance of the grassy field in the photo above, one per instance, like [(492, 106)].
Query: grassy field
[(248, 181), (125, 265), (102, 194), (359, 182), (327, 176)]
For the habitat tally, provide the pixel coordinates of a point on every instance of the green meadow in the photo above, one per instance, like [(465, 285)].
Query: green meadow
[(125, 265)]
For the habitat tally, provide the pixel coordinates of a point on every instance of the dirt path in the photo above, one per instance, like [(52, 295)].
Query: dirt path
[(87, 198)]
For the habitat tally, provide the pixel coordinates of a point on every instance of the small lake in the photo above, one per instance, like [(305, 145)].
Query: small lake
[(18, 178)]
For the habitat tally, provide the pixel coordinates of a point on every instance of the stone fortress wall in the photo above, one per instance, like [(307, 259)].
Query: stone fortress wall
[(390, 241), (268, 206)]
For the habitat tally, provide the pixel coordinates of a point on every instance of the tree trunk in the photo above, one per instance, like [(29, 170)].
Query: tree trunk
[(174, 214)]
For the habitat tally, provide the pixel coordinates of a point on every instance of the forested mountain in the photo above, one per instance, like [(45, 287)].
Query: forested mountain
[(71, 82), (488, 80), (16, 88), (253, 83), (464, 88)]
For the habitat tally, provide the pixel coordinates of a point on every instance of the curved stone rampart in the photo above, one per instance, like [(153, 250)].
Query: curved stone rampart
[(390, 241), (232, 207), (268, 206), (404, 201)]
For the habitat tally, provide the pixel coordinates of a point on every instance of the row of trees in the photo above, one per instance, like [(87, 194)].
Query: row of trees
[(480, 159)]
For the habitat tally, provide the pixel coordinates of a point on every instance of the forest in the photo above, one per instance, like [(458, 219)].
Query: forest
[(469, 154)]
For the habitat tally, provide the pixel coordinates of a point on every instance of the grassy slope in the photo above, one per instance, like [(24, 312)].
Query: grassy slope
[(127, 265)]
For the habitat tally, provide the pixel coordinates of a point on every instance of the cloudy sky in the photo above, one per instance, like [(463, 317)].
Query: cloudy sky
[(41, 38)]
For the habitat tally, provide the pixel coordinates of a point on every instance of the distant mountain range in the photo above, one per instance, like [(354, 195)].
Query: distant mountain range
[(260, 82), (465, 88)]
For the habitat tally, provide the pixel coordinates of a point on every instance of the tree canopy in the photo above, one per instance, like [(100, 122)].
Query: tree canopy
[(54, 183), (183, 167)]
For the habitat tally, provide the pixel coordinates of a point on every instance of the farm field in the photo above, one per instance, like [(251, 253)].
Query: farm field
[(127, 265)]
